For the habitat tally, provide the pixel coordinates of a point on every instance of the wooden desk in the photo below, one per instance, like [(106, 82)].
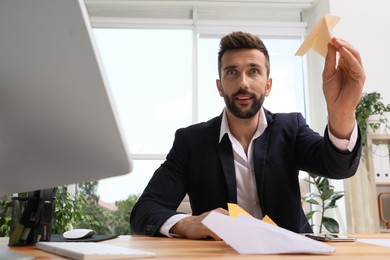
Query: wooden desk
[(177, 248)]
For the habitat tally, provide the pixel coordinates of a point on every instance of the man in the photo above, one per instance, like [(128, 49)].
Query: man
[(250, 156)]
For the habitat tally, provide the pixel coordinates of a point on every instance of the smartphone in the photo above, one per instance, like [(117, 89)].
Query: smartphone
[(331, 238)]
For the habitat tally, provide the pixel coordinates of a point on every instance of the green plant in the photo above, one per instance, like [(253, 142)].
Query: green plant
[(5, 215), (122, 216), (79, 211), (68, 210), (323, 198), (370, 104), (101, 221)]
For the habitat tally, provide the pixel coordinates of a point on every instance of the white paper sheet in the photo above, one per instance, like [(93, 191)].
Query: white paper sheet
[(248, 235), (378, 241)]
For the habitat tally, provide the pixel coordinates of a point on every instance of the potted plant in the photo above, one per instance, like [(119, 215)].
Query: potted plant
[(321, 198), (371, 114), (371, 117)]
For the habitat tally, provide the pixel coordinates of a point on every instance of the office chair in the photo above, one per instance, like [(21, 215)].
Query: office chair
[(382, 210)]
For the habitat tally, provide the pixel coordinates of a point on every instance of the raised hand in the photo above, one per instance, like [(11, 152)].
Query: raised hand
[(343, 82)]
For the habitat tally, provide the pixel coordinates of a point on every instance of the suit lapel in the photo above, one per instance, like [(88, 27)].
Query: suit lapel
[(260, 148), (260, 152), (226, 156)]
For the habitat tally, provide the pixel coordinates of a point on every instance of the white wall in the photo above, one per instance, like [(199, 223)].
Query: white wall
[(317, 115), (365, 24)]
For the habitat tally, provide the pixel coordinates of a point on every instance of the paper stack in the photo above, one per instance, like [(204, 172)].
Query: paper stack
[(248, 235)]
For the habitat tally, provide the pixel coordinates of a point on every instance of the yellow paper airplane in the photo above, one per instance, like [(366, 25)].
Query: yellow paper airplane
[(320, 36), (235, 210), (268, 220)]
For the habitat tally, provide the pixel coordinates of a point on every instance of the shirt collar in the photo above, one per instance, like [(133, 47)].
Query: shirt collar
[(260, 127)]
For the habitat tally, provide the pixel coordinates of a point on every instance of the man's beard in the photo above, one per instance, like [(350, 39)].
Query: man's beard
[(236, 111)]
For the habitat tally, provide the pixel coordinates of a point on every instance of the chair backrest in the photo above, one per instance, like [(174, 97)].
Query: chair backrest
[(382, 208)]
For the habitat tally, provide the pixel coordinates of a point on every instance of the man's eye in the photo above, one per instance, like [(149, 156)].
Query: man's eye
[(230, 72), (254, 71)]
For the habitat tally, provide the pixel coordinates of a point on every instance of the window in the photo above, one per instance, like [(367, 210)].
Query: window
[(149, 72), (287, 93), (158, 85)]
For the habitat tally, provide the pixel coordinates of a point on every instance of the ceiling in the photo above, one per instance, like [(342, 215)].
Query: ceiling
[(263, 10)]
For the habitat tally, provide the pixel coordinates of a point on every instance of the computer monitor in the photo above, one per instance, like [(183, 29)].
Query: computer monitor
[(58, 124)]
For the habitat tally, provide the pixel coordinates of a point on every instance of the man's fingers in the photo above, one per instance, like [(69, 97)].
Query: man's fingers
[(215, 237), (350, 64), (330, 62), (346, 48), (222, 211), (207, 232), (349, 60)]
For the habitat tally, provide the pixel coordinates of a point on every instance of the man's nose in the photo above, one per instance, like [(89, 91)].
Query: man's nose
[(243, 81)]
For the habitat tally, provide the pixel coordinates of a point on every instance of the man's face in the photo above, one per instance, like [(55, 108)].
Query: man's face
[(244, 83)]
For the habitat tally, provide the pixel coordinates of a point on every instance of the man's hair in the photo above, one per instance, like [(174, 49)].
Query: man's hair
[(241, 40)]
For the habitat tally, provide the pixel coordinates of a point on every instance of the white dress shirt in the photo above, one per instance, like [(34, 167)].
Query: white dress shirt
[(244, 168)]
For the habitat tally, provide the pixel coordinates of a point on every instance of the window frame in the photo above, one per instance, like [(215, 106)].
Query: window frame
[(206, 28)]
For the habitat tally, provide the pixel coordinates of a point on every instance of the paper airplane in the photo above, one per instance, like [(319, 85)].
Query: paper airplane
[(320, 36), (235, 211), (248, 235)]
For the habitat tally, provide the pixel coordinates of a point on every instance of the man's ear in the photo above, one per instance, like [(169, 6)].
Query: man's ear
[(219, 87), (268, 87)]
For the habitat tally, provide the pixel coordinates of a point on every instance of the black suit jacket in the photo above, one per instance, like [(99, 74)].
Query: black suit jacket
[(203, 167)]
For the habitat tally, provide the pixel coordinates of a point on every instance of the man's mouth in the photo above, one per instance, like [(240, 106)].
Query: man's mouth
[(243, 97)]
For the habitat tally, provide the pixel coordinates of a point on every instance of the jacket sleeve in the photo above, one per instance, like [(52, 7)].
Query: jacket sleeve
[(164, 192), (324, 159)]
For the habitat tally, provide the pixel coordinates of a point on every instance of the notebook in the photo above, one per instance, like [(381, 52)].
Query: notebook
[(91, 250)]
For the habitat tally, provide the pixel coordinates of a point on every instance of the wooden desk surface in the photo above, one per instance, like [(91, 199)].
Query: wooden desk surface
[(177, 248)]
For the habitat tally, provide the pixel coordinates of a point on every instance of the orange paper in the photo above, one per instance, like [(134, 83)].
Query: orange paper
[(235, 210), (320, 36)]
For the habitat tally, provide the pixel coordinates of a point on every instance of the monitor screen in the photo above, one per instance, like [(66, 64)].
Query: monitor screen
[(57, 119)]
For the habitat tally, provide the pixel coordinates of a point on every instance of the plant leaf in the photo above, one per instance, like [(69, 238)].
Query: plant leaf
[(322, 183), (326, 194), (310, 214), (331, 203), (331, 225), (312, 201)]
